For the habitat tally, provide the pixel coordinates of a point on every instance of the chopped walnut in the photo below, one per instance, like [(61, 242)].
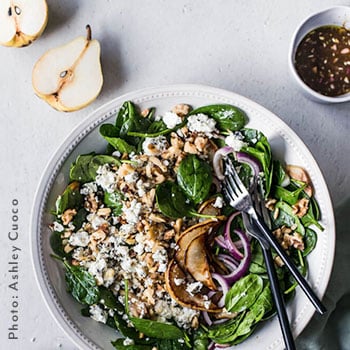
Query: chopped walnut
[(104, 212), (270, 203), (301, 207), (190, 148), (181, 109), (68, 216), (91, 203)]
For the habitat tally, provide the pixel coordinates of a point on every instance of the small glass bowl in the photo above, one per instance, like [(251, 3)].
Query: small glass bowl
[(337, 15)]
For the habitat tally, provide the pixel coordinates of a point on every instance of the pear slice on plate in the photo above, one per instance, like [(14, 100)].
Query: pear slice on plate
[(70, 77), (22, 21)]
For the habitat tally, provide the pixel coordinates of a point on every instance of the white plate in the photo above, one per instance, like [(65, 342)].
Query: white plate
[(286, 145)]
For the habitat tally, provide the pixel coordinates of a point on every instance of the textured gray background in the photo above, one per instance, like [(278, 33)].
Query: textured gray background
[(238, 45)]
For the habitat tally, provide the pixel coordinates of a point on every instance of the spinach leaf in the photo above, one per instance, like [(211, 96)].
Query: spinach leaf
[(310, 240), (56, 244), (171, 201), (70, 198), (112, 135), (279, 174), (200, 340), (114, 200), (156, 329), (79, 218), (226, 332), (169, 344), (288, 218), (81, 284), (85, 166), (243, 293), (286, 195), (260, 148), (195, 178), (107, 298), (119, 345), (227, 117)]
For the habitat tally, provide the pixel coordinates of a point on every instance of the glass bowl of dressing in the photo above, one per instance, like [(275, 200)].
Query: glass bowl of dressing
[(319, 55)]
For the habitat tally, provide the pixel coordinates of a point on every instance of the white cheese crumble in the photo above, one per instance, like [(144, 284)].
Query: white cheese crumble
[(95, 220), (128, 341), (106, 178), (194, 287), (58, 227), (178, 281), (171, 119), (97, 314), (87, 188), (96, 269), (154, 145), (132, 213), (235, 141), (219, 202), (132, 177), (79, 239), (201, 123)]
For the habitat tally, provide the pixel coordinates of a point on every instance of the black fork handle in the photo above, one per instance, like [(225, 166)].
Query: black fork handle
[(291, 266), (278, 299)]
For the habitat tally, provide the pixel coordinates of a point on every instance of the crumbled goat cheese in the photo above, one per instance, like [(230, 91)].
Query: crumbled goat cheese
[(97, 314), (201, 123), (128, 341), (132, 177), (219, 202), (58, 227), (140, 188), (87, 188), (95, 220), (154, 145), (79, 239), (127, 229), (235, 141), (171, 119), (207, 304), (116, 154), (132, 213), (178, 281), (96, 269), (194, 287), (106, 178)]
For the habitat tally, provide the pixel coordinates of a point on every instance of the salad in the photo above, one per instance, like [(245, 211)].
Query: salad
[(148, 243)]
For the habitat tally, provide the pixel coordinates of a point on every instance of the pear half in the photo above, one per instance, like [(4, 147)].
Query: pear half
[(22, 21), (70, 77)]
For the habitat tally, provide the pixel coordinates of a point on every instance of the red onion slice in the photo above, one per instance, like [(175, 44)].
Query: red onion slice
[(231, 247), (217, 161)]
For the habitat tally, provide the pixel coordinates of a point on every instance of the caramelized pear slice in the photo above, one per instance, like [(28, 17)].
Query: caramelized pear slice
[(196, 262), (185, 239), (178, 290), (208, 208)]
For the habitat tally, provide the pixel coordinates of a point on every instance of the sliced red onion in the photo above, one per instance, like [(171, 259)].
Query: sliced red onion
[(207, 318), (220, 240), (217, 161), (211, 346), (245, 262), (248, 159), (231, 247), (229, 261)]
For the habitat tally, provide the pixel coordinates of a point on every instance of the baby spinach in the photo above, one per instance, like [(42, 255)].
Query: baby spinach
[(85, 167), (111, 134), (81, 284), (56, 244), (156, 329), (288, 218), (194, 176), (113, 200), (119, 345), (70, 198), (310, 240), (243, 293), (289, 196), (227, 117), (171, 201)]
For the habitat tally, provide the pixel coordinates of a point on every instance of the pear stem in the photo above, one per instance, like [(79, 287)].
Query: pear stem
[(88, 34)]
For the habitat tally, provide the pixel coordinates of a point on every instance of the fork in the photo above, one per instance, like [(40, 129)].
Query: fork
[(240, 199), (274, 284)]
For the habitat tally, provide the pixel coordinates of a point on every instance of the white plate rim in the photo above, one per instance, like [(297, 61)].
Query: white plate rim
[(103, 113)]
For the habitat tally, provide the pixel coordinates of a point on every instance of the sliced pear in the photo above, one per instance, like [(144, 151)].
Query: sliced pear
[(179, 293), (189, 235), (22, 21), (196, 262), (70, 77), (208, 208)]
